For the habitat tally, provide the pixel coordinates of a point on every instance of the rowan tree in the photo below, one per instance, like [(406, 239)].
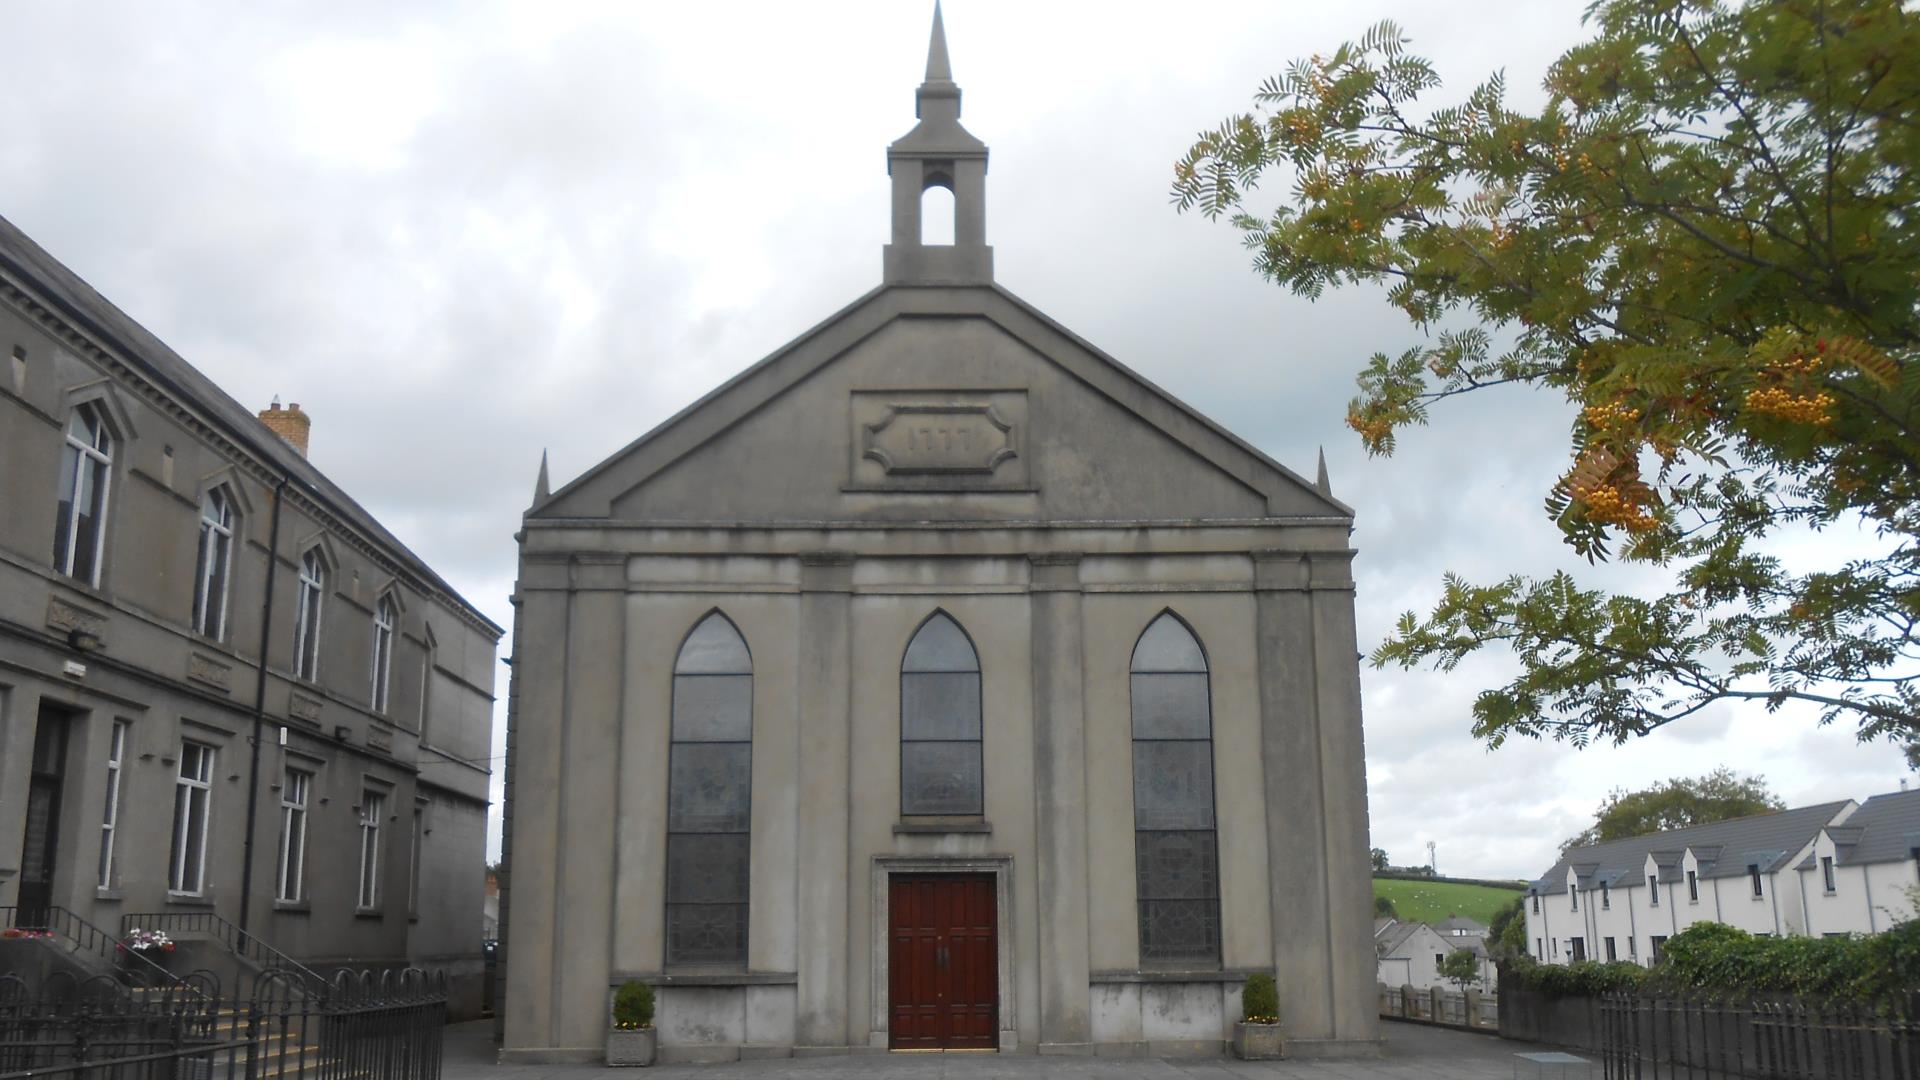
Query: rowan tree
[(1706, 241)]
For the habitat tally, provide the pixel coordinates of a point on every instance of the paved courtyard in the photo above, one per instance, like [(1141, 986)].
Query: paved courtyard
[(1413, 1052)]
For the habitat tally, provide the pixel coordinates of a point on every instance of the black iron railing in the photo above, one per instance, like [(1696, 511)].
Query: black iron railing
[(80, 935), (361, 1027), (1651, 1038), (237, 941)]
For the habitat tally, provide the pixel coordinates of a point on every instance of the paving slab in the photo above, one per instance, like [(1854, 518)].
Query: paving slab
[(1412, 1052)]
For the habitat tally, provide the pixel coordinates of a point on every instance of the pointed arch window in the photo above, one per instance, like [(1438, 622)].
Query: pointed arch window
[(85, 470), (306, 615), (709, 797), (213, 564), (940, 756), (383, 621), (1176, 850)]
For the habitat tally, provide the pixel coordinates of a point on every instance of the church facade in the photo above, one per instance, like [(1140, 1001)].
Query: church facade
[(936, 683)]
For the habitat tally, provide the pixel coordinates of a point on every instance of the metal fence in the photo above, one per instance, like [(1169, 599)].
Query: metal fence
[(357, 1027), (1662, 1038), (1438, 1005)]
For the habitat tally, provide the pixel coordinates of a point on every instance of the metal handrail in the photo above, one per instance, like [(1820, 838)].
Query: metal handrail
[(86, 936), (237, 941)]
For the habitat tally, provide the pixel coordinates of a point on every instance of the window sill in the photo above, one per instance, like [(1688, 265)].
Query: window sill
[(1177, 975), (109, 894), (710, 977), (293, 907), (914, 826), (369, 913), (180, 899)]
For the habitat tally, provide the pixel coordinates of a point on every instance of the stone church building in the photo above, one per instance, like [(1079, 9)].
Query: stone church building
[(936, 683)]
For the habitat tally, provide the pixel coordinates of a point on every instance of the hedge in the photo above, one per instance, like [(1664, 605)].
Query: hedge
[(1713, 958)]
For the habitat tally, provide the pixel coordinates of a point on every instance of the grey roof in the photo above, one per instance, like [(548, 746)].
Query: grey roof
[(1767, 838), (82, 305), (1396, 936), (1888, 829), (1447, 926)]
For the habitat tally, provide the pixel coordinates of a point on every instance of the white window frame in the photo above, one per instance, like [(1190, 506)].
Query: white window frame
[(1653, 890), (1753, 878), (110, 813), (296, 794), (94, 455), (1826, 873), (306, 616), (1693, 886), (185, 787), (214, 563), (383, 622), (373, 807)]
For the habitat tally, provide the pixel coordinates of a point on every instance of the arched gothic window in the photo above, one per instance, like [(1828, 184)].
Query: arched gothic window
[(1176, 853), (384, 616), (213, 563), (709, 797), (306, 615), (85, 470), (940, 767)]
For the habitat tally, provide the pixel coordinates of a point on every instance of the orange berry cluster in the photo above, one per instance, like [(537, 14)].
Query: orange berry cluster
[(1787, 405), (1610, 416), (1609, 505)]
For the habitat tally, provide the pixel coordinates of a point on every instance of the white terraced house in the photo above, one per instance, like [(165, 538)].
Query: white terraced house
[(1833, 868)]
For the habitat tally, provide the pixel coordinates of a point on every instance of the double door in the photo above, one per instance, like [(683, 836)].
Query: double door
[(942, 965)]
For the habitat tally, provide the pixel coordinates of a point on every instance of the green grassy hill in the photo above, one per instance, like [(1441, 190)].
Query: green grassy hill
[(1432, 901)]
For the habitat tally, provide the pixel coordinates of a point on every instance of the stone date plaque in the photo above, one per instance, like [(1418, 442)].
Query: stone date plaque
[(939, 440)]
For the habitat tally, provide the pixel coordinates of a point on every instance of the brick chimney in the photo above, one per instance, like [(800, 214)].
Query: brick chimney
[(289, 423)]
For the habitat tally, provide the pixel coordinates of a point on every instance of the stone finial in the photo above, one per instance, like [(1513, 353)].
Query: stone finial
[(540, 489), (938, 152), (1321, 482)]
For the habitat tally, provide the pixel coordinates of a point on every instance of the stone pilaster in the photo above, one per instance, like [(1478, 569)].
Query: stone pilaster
[(1343, 773), (826, 657), (1291, 760), (1060, 803)]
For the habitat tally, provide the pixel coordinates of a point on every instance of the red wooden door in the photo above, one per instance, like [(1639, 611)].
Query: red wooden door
[(942, 967)]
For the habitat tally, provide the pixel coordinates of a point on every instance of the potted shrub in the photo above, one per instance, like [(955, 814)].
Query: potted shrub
[(1257, 1036), (631, 1039)]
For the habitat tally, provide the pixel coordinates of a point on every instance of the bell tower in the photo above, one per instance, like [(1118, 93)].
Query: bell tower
[(938, 152)]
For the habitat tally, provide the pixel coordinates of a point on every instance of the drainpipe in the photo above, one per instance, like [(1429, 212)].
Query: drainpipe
[(260, 707)]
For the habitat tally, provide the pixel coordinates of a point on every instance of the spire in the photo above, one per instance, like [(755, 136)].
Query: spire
[(1321, 482), (939, 69), (540, 491), (938, 152)]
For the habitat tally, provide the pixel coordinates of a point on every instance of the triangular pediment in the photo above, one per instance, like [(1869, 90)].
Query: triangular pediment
[(942, 404)]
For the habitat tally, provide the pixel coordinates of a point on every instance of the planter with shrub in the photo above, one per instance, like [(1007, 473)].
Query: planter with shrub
[(1257, 1036), (631, 1039)]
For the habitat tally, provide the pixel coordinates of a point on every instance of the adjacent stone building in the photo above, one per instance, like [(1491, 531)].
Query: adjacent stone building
[(936, 682), (156, 541)]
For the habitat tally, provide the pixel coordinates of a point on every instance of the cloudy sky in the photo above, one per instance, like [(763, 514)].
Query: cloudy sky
[(461, 232)]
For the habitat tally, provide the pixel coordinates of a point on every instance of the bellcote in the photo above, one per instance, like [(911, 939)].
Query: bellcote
[(938, 152)]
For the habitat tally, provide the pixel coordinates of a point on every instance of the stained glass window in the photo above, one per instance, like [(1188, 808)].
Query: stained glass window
[(940, 766), (1176, 851), (710, 797)]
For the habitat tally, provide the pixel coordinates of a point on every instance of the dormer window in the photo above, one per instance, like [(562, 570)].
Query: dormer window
[(1536, 903), (1653, 890), (1573, 896), (1826, 872), (1606, 897), (1693, 886), (1753, 875)]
